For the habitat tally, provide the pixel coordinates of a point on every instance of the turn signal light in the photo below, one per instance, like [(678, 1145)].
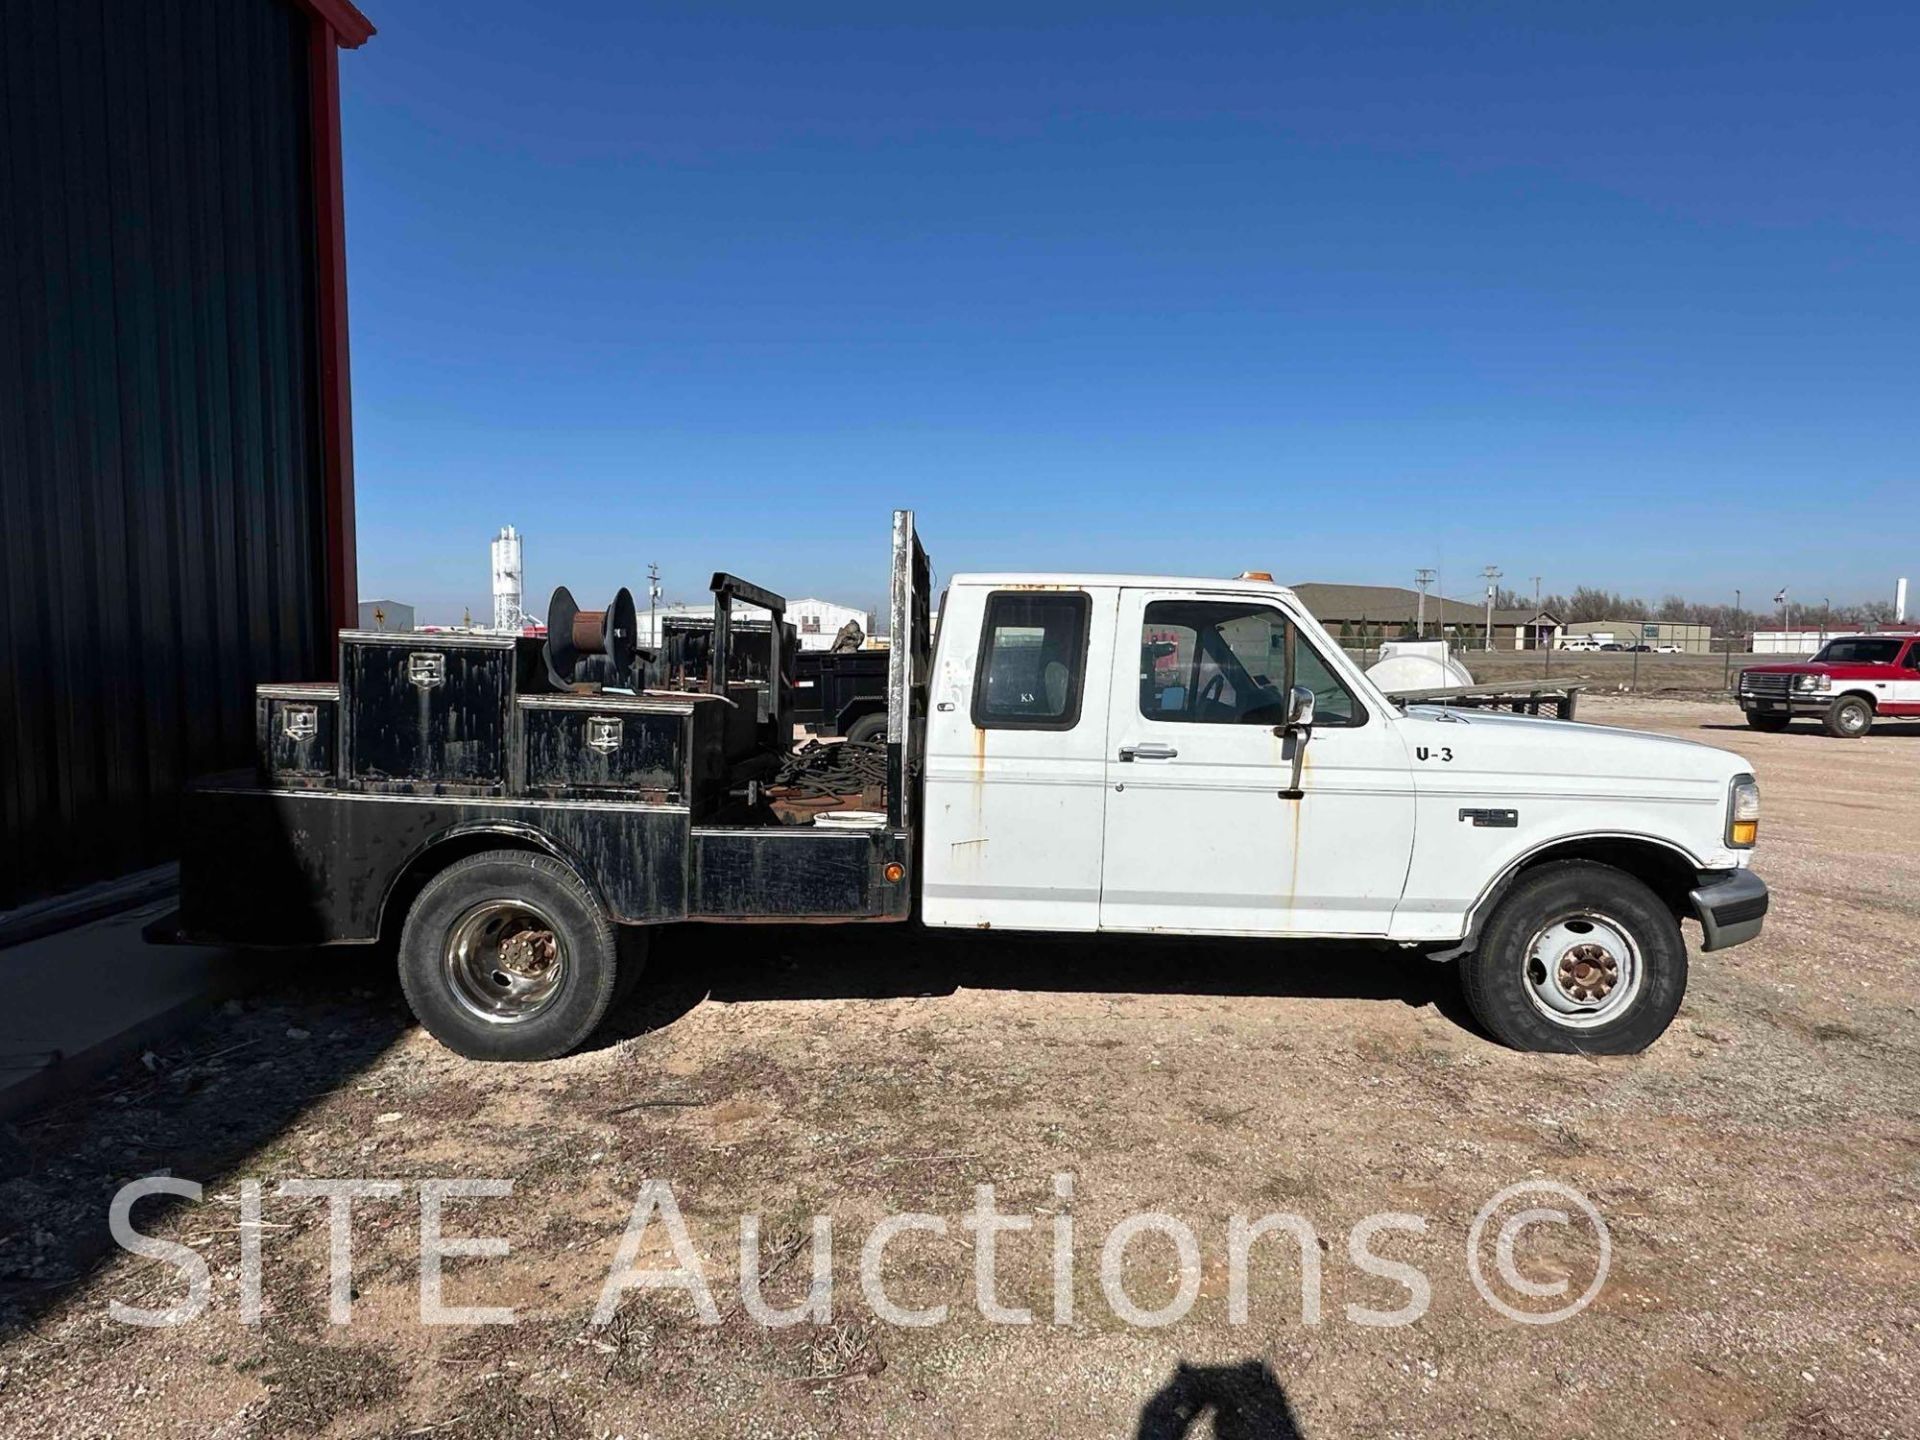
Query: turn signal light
[(895, 872), (1743, 813)]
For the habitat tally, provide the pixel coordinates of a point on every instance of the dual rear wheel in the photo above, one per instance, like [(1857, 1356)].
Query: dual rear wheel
[(507, 955)]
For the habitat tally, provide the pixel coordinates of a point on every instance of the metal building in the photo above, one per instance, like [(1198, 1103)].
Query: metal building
[(385, 615), (1689, 638), (176, 474), (818, 621)]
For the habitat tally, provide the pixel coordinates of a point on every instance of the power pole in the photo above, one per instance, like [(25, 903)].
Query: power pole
[(1544, 642), (1422, 578), (1493, 573), (653, 603)]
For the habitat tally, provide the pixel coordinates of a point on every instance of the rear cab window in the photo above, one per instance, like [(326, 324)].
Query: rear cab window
[(1031, 673)]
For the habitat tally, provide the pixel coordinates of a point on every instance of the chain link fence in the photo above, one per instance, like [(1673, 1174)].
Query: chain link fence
[(1715, 670)]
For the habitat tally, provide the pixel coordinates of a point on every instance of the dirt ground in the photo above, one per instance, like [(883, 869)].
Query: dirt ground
[(1758, 1172)]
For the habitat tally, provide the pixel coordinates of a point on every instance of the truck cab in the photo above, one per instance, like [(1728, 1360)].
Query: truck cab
[(1197, 756), (1849, 683)]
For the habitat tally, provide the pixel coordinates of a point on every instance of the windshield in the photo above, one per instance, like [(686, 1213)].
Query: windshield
[(1859, 650)]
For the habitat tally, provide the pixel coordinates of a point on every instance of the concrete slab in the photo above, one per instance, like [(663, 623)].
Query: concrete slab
[(83, 999)]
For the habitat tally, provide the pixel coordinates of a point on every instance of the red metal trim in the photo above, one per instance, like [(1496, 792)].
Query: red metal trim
[(330, 293), (350, 28)]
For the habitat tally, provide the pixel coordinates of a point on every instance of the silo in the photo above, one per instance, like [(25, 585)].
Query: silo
[(507, 577)]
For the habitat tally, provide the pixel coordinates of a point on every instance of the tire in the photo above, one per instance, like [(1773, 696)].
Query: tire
[(633, 943), (1849, 717), (1767, 722), (484, 997), (868, 727), (1603, 926)]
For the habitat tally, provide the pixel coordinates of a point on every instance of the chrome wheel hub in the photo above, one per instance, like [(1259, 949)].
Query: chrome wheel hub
[(1582, 971), (504, 961)]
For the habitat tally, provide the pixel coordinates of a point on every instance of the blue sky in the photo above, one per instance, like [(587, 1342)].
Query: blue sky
[(1619, 295)]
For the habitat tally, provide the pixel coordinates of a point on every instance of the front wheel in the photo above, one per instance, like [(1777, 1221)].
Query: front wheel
[(1578, 957), (506, 955), (1766, 722), (1849, 717)]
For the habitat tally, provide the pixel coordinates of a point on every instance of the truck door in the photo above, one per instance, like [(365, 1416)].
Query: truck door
[(1015, 758), (1203, 830)]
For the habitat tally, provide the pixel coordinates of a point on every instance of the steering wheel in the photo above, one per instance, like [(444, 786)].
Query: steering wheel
[(1211, 693)]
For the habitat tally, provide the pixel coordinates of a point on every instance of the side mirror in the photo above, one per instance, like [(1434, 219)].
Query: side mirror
[(1300, 708)]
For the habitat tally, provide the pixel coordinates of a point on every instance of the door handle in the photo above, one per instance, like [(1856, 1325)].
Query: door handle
[(1148, 750)]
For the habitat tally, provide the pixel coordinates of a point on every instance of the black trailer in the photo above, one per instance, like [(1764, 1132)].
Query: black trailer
[(517, 829), (841, 692)]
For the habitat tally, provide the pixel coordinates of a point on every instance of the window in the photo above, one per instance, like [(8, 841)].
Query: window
[(1859, 650), (1033, 659), (1333, 703), (1913, 656), (1215, 662)]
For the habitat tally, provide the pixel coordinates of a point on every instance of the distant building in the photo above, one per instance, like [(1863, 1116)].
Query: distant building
[(1692, 639), (1368, 614), (1526, 629), (385, 615), (1800, 640), (818, 621), (1364, 615), (815, 622)]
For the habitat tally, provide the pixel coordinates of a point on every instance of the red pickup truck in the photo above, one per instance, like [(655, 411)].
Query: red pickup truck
[(1851, 682)]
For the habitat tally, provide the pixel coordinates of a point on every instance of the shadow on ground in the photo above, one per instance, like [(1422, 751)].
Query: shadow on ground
[(1807, 725), (692, 963), (195, 1106), (1243, 1402), (312, 1023)]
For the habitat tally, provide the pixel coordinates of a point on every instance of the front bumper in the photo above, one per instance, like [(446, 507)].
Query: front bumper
[(1807, 703), (1731, 906)]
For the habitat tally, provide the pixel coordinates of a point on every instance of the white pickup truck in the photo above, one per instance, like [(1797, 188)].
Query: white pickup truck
[(1114, 753)]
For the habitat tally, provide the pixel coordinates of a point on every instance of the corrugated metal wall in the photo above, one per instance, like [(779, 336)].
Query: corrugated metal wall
[(162, 539)]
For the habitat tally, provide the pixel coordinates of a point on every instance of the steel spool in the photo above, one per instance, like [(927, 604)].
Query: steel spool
[(574, 634)]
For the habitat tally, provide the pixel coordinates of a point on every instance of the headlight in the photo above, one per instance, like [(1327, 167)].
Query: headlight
[(1743, 813), (1813, 682)]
